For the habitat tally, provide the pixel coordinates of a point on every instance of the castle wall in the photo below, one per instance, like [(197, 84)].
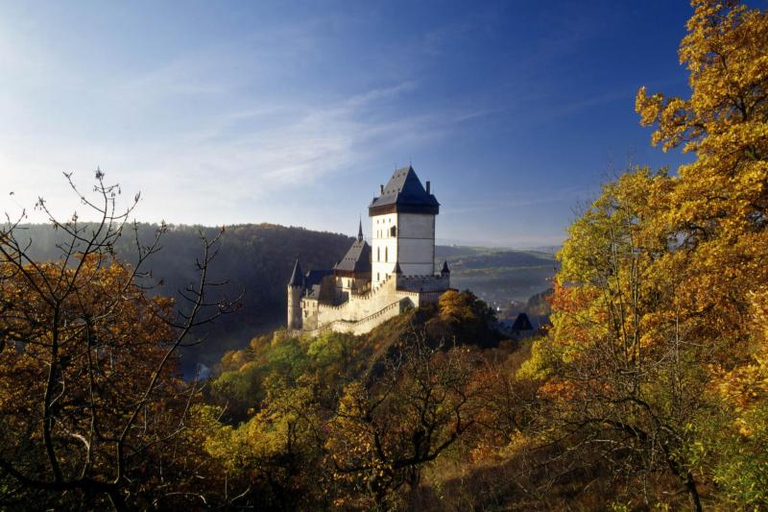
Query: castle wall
[(416, 244), (383, 246), (361, 313), (424, 284), (309, 313), (366, 324), (360, 306)]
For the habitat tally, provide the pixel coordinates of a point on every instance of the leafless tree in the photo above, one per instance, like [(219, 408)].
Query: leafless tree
[(91, 404)]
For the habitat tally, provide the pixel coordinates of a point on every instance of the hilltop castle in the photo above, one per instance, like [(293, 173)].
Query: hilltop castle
[(373, 283)]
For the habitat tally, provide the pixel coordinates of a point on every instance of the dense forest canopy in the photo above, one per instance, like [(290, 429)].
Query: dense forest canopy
[(648, 391)]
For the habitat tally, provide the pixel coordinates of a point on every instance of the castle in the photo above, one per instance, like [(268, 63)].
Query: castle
[(373, 283)]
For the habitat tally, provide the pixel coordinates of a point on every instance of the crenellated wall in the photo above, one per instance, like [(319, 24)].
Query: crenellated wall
[(366, 324), (361, 313)]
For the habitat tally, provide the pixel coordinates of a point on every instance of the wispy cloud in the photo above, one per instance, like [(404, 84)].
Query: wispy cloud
[(206, 132)]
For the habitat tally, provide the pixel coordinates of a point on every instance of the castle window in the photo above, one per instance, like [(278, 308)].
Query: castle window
[(378, 255), (386, 254), (393, 231)]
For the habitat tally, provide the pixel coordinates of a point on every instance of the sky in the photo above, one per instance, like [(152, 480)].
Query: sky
[(294, 112)]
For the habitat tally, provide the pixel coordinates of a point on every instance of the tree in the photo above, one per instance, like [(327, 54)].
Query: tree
[(622, 374), (717, 214), (718, 208), (387, 430), (91, 406), (656, 313)]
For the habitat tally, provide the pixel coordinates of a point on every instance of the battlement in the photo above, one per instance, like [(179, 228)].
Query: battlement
[(425, 283)]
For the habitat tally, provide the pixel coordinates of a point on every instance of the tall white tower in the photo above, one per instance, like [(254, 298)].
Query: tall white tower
[(403, 227)]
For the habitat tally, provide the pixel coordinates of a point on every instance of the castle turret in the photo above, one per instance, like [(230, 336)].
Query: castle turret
[(403, 227), (445, 273), (295, 291)]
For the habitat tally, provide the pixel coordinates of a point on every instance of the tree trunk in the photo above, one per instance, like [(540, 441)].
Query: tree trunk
[(693, 493)]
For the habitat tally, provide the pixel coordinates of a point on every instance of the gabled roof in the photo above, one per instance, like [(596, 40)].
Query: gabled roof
[(297, 277), (404, 192), (357, 259)]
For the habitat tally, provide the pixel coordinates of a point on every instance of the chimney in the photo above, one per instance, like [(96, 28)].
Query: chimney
[(427, 187), (381, 189)]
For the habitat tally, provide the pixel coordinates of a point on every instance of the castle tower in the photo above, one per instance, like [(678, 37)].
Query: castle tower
[(403, 227), (295, 290)]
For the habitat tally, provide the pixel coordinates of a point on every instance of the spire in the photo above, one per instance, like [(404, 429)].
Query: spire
[(297, 278), (398, 270), (360, 231), (445, 268)]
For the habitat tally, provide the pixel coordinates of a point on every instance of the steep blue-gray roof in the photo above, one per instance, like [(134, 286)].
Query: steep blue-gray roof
[(405, 192), (357, 259), (297, 277)]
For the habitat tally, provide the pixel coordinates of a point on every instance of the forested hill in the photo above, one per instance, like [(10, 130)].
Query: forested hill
[(499, 276), (256, 259)]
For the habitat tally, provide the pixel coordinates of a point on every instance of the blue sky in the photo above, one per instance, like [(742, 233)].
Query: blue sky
[(294, 112)]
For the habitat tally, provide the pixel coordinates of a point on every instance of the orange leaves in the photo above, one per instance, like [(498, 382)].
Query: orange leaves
[(560, 390), (101, 339), (454, 306)]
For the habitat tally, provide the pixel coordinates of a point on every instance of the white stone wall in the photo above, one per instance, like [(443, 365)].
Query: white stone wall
[(368, 323), (360, 306), (361, 313), (416, 241), (309, 313), (383, 246), (412, 244)]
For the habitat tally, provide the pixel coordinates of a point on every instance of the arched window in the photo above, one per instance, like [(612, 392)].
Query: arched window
[(393, 231), (378, 254), (386, 254)]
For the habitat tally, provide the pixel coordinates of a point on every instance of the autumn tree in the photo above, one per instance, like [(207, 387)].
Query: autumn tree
[(657, 329), (624, 374), (718, 207), (386, 430), (718, 214), (92, 406)]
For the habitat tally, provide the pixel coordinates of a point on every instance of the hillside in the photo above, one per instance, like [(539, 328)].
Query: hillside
[(256, 259)]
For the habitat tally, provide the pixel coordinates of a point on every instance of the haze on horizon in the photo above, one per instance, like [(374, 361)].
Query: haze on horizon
[(294, 112)]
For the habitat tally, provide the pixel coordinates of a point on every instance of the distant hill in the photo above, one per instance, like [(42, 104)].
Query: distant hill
[(258, 258), (499, 276)]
